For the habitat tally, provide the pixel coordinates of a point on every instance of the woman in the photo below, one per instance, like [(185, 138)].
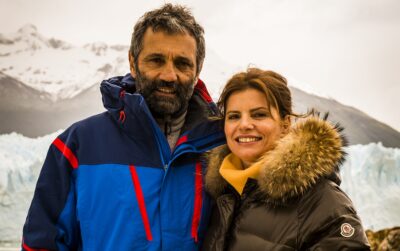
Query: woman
[(276, 186)]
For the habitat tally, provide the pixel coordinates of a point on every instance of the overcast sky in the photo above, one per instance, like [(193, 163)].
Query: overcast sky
[(346, 49)]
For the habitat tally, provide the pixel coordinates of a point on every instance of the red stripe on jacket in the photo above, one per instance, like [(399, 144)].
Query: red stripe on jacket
[(26, 248), (198, 200), (181, 140), (66, 152), (141, 202), (201, 88)]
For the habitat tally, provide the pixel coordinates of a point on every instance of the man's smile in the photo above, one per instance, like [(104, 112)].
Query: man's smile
[(166, 91)]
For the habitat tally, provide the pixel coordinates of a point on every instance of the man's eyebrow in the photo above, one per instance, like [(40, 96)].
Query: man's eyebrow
[(154, 55)]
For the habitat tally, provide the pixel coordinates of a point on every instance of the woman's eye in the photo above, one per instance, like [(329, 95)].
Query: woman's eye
[(260, 115), (232, 117)]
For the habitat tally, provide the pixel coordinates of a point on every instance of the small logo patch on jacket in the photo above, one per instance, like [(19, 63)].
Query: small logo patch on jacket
[(346, 230)]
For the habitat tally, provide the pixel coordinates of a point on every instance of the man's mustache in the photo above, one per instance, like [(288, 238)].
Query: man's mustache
[(157, 84)]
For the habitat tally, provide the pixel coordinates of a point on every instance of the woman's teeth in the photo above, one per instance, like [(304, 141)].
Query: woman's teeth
[(248, 139)]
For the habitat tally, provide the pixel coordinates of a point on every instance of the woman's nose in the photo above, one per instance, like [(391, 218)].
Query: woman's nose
[(246, 124)]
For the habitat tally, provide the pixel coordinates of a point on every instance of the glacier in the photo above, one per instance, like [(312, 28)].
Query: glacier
[(21, 159), (370, 176)]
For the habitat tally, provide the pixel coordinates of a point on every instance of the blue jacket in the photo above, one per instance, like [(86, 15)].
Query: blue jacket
[(111, 182)]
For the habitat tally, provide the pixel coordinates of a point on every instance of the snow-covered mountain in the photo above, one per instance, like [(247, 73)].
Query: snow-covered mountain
[(57, 67), (46, 84), (32, 113), (370, 176), (359, 127), (64, 70)]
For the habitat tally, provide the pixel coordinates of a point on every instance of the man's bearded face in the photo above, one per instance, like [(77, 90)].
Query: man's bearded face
[(165, 98)]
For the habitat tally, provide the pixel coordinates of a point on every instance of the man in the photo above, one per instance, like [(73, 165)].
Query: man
[(132, 178)]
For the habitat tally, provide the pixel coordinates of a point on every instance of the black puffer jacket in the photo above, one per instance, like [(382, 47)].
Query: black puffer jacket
[(296, 203)]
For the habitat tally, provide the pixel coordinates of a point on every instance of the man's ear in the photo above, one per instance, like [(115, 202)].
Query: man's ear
[(132, 64), (198, 74)]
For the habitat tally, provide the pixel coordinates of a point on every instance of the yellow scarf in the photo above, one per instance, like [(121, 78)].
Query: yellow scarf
[(232, 171)]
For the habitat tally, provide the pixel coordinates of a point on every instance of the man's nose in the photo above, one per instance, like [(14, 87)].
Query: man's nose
[(168, 73)]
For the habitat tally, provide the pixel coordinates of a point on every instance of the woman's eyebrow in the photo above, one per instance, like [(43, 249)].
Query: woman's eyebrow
[(259, 108)]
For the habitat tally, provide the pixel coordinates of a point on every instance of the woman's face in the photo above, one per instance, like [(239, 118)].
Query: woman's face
[(250, 129)]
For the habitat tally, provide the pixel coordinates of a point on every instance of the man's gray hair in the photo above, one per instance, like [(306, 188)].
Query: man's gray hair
[(171, 19)]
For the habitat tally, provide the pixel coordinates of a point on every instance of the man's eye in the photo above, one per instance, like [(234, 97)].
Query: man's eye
[(183, 65), (157, 60)]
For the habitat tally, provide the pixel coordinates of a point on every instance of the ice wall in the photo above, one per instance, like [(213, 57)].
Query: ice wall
[(370, 176), (21, 159)]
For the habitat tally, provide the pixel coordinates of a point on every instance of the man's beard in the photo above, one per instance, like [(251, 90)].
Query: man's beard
[(165, 106)]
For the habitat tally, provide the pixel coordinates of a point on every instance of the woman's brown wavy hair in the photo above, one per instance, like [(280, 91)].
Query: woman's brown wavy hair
[(272, 84)]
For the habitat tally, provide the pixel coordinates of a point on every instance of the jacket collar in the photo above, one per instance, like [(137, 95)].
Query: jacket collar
[(114, 89), (312, 150), (231, 170), (124, 105)]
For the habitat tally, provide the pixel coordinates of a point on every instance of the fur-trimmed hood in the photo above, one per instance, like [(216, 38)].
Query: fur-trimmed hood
[(312, 149)]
